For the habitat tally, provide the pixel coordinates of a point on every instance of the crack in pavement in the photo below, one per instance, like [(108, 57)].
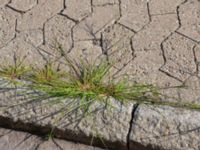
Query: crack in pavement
[(196, 61), (166, 39), (135, 107), (187, 37), (107, 4), (9, 5)]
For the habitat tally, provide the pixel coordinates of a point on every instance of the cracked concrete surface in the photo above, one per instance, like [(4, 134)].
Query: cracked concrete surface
[(16, 140), (152, 41)]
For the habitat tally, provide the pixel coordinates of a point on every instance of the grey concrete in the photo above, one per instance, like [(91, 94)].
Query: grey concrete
[(151, 41), (105, 127), (16, 140), (165, 128)]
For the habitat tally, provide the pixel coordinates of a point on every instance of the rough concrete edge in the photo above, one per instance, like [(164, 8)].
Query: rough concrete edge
[(68, 135), (140, 145), (36, 129)]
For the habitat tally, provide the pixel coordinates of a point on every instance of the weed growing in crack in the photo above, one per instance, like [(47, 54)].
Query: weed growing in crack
[(16, 71), (85, 81), (84, 84), (50, 135)]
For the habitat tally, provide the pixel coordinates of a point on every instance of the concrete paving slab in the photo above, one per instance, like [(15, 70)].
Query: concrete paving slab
[(18, 140), (152, 41)]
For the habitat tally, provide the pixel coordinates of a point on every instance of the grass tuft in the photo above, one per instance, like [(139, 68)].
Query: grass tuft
[(85, 81), (15, 71)]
